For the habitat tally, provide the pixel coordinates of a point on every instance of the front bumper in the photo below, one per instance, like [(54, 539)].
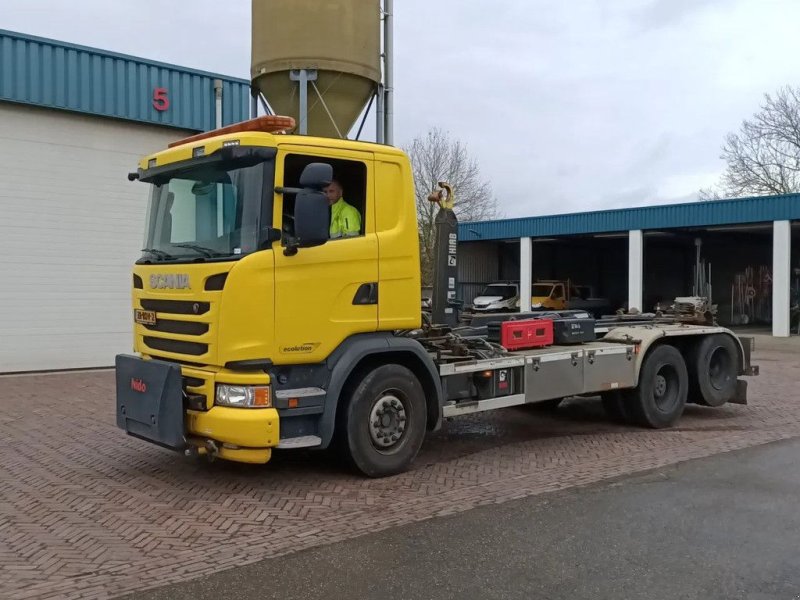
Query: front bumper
[(238, 434), (172, 406)]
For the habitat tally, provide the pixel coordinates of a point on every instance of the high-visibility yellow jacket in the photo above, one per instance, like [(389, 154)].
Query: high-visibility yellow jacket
[(345, 220)]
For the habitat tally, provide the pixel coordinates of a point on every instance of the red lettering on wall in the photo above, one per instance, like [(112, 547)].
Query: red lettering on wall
[(160, 99)]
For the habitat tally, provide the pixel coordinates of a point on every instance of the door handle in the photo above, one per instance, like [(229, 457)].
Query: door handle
[(367, 293)]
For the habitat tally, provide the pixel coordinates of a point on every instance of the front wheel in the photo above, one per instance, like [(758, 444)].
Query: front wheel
[(384, 425), (659, 399)]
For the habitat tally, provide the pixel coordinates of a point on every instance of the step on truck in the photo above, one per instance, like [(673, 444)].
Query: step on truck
[(257, 328)]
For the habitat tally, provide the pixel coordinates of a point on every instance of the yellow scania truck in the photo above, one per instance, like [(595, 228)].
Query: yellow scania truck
[(254, 329)]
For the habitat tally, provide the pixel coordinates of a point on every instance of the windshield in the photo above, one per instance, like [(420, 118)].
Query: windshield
[(210, 211), (504, 291), (539, 290)]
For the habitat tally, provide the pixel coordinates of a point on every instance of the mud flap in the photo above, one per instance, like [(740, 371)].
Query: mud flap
[(150, 401), (740, 397)]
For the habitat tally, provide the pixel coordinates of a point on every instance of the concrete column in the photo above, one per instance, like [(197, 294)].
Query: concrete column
[(525, 262), (635, 269), (781, 277)]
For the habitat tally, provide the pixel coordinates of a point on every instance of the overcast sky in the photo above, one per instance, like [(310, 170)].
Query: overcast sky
[(567, 106)]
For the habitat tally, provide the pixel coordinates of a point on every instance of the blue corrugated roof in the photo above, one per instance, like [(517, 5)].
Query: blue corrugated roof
[(692, 214), (55, 74)]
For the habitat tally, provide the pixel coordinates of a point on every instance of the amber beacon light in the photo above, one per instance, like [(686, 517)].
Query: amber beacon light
[(265, 124)]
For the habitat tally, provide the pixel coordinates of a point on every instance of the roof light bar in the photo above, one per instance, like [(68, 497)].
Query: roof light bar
[(266, 124)]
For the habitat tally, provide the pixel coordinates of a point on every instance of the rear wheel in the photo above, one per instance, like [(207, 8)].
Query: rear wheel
[(713, 366), (384, 424), (659, 399)]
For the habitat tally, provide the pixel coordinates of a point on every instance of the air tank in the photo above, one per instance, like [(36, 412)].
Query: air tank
[(339, 39)]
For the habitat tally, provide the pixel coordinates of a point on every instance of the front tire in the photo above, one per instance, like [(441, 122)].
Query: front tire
[(659, 399), (384, 424)]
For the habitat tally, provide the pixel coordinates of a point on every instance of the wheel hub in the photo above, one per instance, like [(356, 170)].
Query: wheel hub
[(661, 386), (387, 421)]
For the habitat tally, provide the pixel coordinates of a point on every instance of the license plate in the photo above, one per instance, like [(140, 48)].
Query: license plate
[(145, 317)]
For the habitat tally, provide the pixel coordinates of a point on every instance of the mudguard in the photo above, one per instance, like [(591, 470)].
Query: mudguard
[(355, 349)]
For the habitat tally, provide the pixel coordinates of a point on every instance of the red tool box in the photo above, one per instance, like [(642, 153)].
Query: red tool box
[(522, 335)]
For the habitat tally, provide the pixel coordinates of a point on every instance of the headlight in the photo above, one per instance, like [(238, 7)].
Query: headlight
[(244, 396), (536, 305)]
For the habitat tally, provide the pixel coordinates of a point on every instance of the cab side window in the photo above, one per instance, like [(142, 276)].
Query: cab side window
[(346, 195)]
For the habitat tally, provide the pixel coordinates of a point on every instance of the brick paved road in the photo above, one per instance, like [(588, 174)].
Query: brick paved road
[(86, 512)]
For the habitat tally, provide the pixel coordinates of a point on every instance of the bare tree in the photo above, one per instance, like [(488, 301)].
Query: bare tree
[(436, 157), (710, 193), (763, 158)]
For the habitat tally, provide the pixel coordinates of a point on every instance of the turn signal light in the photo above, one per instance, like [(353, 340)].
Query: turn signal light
[(261, 397)]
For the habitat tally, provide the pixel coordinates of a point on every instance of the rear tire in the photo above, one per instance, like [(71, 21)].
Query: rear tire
[(384, 424), (659, 399), (713, 366)]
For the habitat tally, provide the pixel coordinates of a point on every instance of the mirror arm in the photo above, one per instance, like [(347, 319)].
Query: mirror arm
[(291, 246), (279, 189)]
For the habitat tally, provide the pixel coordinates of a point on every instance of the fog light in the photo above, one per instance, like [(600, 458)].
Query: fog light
[(244, 396)]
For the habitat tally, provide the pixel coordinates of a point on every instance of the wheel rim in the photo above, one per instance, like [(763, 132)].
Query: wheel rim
[(387, 421), (719, 368), (665, 388)]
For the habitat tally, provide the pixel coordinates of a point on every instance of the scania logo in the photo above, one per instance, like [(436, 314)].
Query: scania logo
[(137, 385), (179, 281)]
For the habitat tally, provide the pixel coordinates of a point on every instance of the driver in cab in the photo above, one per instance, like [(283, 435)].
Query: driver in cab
[(345, 218)]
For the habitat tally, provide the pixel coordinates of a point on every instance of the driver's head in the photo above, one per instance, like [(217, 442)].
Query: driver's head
[(333, 191)]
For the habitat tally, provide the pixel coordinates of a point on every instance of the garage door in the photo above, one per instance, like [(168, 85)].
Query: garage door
[(70, 229)]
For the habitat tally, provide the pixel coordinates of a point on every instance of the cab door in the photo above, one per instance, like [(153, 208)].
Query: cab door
[(325, 293)]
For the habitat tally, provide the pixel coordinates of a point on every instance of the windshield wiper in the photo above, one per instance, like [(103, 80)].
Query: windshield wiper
[(159, 253), (207, 252)]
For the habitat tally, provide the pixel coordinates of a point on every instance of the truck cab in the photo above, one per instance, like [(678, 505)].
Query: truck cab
[(235, 291), (552, 295), (564, 295)]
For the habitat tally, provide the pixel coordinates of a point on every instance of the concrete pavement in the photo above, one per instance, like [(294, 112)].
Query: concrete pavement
[(725, 527)]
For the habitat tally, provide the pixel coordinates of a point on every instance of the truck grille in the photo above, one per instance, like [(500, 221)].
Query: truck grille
[(182, 327), (175, 346), (176, 307), (182, 330)]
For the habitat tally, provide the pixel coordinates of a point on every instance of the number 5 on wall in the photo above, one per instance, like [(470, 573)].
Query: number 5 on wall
[(160, 99)]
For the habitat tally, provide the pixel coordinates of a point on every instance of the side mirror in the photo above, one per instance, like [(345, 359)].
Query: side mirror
[(316, 176), (311, 218)]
